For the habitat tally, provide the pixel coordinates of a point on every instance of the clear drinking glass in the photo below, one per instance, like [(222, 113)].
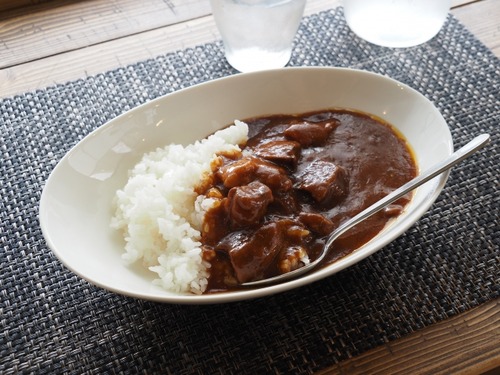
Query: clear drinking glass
[(396, 23), (257, 34)]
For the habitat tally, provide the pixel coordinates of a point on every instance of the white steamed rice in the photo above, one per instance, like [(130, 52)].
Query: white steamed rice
[(161, 215)]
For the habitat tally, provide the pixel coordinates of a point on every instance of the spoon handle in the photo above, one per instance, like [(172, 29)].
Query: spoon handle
[(455, 158)]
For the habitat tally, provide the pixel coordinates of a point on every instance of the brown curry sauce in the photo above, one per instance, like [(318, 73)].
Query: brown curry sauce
[(298, 178)]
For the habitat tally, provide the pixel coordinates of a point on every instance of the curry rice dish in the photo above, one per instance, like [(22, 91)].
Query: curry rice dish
[(260, 197)]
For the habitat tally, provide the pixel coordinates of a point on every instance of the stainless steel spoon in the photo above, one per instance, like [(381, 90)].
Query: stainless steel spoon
[(455, 158)]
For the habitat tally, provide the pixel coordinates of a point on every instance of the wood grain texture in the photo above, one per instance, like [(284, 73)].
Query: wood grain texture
[(483, 20), (77, 62), (47, 28), (12, 4), (465, 344), (114, 53), (56, 27)]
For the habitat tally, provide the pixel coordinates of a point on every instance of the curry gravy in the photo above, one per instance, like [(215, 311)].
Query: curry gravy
[(298, 178)]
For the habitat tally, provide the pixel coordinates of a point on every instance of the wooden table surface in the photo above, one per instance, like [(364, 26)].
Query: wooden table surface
[(44, 42)]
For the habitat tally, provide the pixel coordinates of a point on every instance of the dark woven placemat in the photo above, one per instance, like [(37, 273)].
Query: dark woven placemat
[(51, 321)]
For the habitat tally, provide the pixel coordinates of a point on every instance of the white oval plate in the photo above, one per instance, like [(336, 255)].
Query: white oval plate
[(76, 203)]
